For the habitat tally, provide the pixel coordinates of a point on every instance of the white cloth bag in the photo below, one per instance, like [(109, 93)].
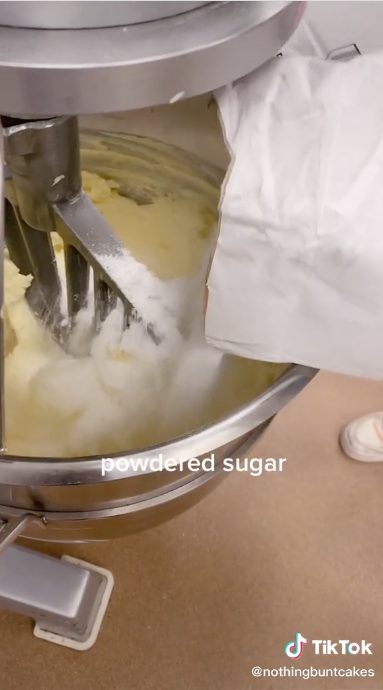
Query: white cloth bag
[(297, 275)]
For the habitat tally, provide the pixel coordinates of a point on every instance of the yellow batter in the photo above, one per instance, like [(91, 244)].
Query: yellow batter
[(168, 236), (61, 406)]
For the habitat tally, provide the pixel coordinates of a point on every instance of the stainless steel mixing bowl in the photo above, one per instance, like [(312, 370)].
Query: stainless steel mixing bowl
[(72, 499), (77, 504), (81, 15)]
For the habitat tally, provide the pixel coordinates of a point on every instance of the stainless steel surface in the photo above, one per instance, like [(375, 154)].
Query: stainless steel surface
[(14, 240), (69, 528), (86, 15), (32, 252), (45, 166), (63, 598), (91, 237), (44, 160), (79, 503), (10, 530), (48, 73)]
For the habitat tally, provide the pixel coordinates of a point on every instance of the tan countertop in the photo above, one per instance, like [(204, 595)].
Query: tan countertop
[(200, 601)]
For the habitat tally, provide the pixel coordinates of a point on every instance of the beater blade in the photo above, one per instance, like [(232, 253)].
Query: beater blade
[(92, 242), (32, 252), (44, 162)]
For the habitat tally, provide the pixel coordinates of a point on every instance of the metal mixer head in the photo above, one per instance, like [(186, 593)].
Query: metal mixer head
[(45, 195)]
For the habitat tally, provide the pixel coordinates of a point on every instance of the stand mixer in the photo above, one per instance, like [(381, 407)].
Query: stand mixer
[(59, 60)]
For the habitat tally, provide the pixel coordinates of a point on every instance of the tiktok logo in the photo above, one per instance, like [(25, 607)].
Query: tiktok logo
[(294, 649)]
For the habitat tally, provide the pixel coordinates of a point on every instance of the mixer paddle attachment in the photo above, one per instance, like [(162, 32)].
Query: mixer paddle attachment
[(44, 195)]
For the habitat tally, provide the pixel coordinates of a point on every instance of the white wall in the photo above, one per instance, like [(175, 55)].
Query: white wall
[(338, 24)]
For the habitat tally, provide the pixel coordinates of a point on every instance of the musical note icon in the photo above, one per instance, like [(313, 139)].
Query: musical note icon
[(294, 649)]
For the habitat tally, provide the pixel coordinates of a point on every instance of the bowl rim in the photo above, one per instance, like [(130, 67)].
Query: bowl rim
[(35, 471)]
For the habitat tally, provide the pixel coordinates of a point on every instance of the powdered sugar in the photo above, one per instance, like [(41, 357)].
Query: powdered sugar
[(119, 390), (150, 297)]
